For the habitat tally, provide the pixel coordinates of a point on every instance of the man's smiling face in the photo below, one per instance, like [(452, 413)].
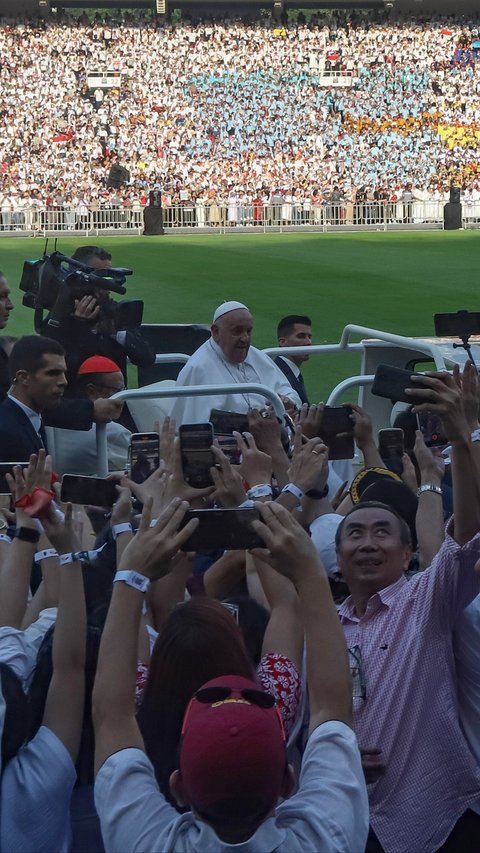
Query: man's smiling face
[(371, 554)]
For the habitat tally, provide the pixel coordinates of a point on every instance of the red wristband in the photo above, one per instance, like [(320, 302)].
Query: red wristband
[(36, 503)]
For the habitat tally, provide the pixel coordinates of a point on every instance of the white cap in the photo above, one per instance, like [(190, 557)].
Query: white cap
[(322, 531), (226, 307)]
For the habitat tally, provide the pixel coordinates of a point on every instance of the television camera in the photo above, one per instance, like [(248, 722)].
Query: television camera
[(55, 282)]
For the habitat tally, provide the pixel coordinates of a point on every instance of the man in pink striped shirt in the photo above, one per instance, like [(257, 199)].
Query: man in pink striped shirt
[(399, 635)]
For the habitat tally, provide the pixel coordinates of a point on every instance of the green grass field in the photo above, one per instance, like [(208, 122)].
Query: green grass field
[(390, 281)]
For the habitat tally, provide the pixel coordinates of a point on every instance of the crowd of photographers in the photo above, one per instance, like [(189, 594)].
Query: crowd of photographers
[(236, 135), (221, 654)]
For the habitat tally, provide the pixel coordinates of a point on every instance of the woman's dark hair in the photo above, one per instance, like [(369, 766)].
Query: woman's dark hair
[(199, 641), (253, 620)]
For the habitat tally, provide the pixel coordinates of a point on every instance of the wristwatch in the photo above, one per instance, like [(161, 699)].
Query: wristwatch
[(27, 534)]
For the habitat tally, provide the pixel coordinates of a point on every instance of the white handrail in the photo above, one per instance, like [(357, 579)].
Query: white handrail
[(351, 382), (187, 391)]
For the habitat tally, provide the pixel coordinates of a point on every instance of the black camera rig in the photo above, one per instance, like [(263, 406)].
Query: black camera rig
[(55, 282)]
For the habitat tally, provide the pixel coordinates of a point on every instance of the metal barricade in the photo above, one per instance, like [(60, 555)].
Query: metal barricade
[(192, 391)]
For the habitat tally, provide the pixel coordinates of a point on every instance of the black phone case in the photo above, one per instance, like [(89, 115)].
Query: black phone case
[(390, 382)]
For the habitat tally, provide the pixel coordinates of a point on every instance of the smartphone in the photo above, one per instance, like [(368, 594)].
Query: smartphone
[(225, 423), (458, 325), (391, 444), (7, 468), (390, 382), (143, 455), (222, 529), (431, 428), (88, 490), (197, 458), (337, 432)]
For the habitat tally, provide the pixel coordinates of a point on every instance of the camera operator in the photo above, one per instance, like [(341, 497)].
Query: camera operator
[(69, 414), (90, 329)]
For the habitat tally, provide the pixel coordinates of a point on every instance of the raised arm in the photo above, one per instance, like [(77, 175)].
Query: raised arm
[(64, 707), (443, 396), (147, 557), (291, 553)]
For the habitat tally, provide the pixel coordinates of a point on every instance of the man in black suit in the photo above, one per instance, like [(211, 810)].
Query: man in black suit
[(78, 414), (294, 331), (37, 370)]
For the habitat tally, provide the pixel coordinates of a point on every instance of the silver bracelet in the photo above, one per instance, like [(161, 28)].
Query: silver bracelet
[(429, 487)]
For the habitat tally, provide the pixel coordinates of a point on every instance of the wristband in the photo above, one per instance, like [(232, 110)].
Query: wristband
[(124, 527), (45, 554), (79, 556), (139, 582), (27, 534), (5, 538), (263, 490), (429, 487), (294, 490)]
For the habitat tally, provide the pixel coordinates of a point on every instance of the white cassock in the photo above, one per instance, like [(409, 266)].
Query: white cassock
[(208, 366)]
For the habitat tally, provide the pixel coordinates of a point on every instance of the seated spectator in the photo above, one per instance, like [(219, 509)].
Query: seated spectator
[(76, 452)]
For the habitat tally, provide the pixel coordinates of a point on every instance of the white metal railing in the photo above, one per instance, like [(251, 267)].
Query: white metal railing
[(189, 391), (278, 213), (352, 382)]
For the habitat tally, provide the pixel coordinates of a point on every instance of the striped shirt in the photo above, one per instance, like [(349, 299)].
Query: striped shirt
[(402, 651)]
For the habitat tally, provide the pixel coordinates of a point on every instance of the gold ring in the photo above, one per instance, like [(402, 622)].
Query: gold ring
[(316, 452)]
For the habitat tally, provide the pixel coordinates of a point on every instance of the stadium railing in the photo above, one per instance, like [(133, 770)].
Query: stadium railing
[(277, 214), (188, 391)]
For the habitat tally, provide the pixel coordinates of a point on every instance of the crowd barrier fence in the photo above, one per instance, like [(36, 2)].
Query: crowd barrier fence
[(93, 220)]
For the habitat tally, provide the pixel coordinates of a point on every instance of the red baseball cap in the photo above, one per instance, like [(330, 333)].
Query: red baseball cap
[(233, 756)]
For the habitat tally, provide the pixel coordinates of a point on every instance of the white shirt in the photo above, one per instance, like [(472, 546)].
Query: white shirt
[(291, 364), (208, 366), (35, 797), (328, 813)]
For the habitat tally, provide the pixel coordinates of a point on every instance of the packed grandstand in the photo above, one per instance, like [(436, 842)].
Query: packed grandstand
[(238, 121)]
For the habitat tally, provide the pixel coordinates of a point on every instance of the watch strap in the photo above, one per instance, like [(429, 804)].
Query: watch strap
[(27, 534)]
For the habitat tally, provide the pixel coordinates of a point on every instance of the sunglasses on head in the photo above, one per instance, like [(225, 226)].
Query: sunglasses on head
[(210, 695)]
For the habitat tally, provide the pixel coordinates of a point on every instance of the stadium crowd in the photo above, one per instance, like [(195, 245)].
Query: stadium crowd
[(238, 121)]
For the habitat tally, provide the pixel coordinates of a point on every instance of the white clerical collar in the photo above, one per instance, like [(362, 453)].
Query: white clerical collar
[(293, 367), (33, 416)]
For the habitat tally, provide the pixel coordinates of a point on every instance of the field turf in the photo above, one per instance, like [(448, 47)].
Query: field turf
[(389, 281)]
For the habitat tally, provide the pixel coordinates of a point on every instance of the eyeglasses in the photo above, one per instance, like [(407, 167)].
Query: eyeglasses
[(359, 684)]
